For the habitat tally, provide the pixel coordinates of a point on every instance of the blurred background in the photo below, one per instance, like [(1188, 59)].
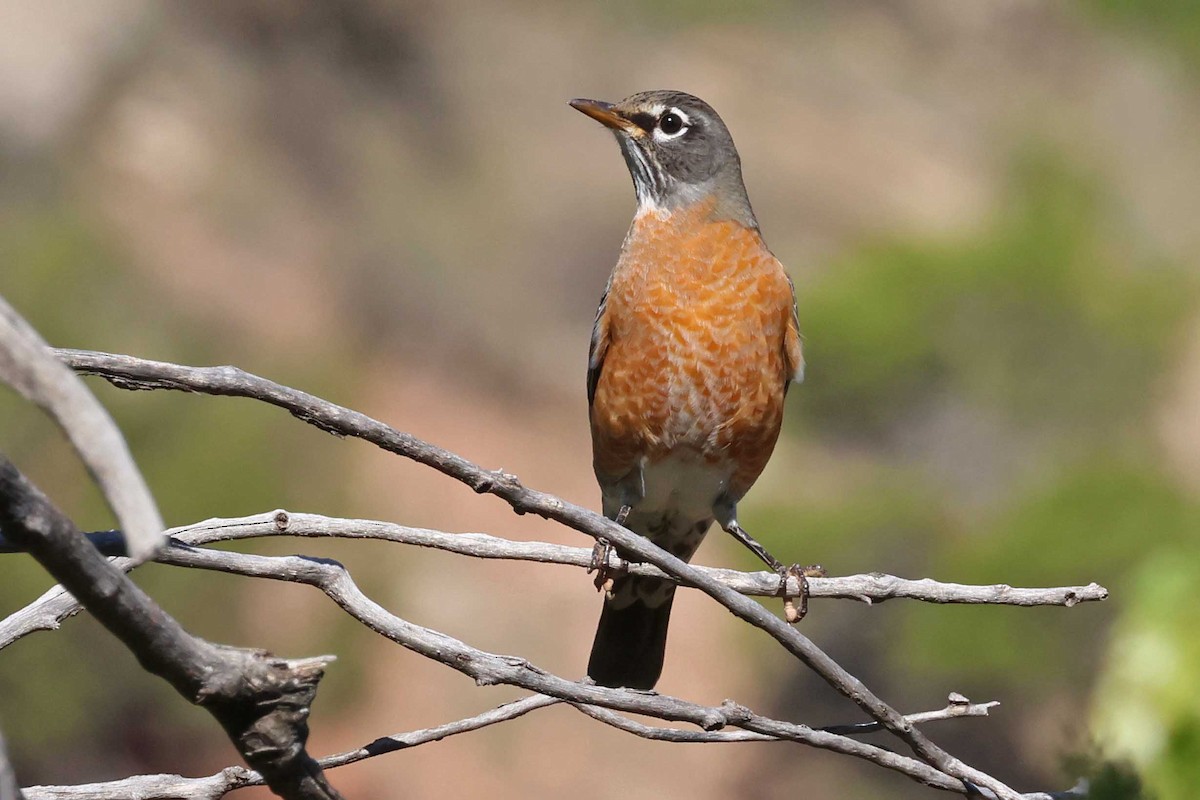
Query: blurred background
[(990, 213)]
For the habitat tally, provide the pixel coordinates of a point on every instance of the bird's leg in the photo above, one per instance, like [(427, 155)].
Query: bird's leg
[(801, 574), (735, 530), (600, 553)]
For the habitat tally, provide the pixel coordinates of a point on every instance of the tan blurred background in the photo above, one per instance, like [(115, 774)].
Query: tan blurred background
[(989, 210)]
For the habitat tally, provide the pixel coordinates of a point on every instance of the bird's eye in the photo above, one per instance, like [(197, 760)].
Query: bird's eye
[(671, 123)]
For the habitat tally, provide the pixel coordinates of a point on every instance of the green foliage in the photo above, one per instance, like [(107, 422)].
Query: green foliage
[(1174, 23), (1107, 779), (875, 318), (50, 705), (1147, 707), (652, 16), (1095, 522), (876, 520), (59, 269), (1042, 318), (1099, 517)]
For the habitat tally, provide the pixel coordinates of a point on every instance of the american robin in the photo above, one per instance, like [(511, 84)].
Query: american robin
[(695, 343)]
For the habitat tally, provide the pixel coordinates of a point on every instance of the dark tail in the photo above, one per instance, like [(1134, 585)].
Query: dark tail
[(631, 639)]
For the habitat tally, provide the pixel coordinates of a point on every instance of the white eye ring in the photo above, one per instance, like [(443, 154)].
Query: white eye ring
[(684, 123)]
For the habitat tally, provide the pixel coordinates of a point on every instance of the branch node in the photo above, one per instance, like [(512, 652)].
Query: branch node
[(494, 479), (735, 713), (281, 519)]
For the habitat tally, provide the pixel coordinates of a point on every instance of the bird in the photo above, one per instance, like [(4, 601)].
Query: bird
[(695, 342)]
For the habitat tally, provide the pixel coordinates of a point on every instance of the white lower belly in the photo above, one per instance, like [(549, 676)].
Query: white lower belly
[(684, 483)]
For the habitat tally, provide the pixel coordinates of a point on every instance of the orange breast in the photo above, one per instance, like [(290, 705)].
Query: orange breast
[(697, 316)]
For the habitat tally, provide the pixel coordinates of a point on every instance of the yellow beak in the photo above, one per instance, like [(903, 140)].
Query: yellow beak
[(604, 114)]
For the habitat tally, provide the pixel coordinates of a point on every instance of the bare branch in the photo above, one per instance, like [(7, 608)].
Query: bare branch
[(47, 612), (133, 373), (262, 702), (280, 522), (171, 787), (29, 365), (875, 587), (318, 573), (657, 734), (490, 669), (958, 706), (150, 787), (403, 741)]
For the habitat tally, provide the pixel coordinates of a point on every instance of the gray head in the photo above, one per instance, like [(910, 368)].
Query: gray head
[(678, 151)]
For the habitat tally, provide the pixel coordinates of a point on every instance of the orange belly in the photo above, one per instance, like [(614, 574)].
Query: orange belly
[(697, 314)]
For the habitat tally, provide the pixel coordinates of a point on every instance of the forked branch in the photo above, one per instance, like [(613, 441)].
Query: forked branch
[(262, 702)]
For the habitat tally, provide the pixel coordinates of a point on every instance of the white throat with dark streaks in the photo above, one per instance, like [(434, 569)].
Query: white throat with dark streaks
[(659, 192)]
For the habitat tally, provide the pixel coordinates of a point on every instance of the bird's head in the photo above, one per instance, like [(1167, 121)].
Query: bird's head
[(678, 151)]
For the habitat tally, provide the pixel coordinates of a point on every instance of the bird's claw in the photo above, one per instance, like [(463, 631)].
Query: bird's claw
[(792, 611), (601, 552), (598, 564)]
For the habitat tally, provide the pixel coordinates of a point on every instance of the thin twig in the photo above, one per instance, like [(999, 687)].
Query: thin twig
[(171, 787), (958, 707), (678, 735), (403, 741), (47, 612)]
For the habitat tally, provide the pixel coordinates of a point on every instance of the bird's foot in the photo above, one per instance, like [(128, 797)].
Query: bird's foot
[(792, 611), (605, 574), (601, 552)]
